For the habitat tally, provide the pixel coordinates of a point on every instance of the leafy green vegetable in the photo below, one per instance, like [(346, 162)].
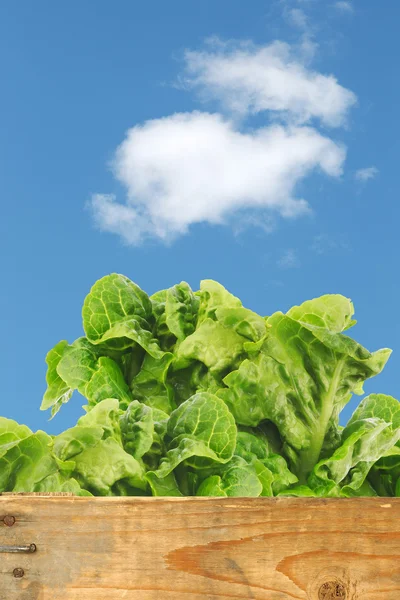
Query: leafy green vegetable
[(300, 377), (191, 393)]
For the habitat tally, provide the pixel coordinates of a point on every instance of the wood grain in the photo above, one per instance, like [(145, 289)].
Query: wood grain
[(201, 548)]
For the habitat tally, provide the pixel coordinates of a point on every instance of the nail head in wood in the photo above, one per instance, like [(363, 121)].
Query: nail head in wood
[(18, 573)]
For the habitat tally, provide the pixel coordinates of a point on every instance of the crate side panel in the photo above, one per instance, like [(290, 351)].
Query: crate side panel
[(201, 549)]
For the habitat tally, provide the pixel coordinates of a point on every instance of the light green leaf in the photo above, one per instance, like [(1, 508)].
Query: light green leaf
[(95, 377), (123, 488), (282, 477), (181, 308), (162, 332), (73, 441), (117, 308), (58, 482), (271, 469), (200, 427), (105, 414), (163, 486), (236, 478), (150, 385), (194, 378), (212, 486), (11, 433), (378, 406), (77, 364), (223, 327), (26, 464), (58, 392), (384, 474), (213, 344), (212, 296), (137, 429), (152, 457), (99, 467), (364, 442), (332, 312), (245, 322), (299, 378), (300, 491), (249, 445), (107, 381)]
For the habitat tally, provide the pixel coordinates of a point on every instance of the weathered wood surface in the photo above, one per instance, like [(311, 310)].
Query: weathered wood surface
[(201, 549)]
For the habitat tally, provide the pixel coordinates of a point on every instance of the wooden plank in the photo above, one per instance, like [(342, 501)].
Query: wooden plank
[(36, 494), (201, 548)]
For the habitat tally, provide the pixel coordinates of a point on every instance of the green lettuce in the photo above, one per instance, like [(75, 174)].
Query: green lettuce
[(192, 393)]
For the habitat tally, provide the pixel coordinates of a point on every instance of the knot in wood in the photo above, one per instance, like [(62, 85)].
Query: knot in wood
[(332, 590)]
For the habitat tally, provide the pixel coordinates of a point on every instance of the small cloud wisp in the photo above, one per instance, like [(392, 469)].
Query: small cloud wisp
[(366, 174)]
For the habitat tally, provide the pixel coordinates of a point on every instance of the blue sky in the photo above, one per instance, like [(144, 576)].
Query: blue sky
[(260, 193)]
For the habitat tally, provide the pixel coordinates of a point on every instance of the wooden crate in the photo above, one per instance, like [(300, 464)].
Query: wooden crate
[(200, 548)]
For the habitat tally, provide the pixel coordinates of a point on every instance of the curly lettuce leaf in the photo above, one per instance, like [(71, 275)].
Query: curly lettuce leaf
[(163, 486), (116, 308), (372, 433), (271, 469), (181, 310), (331, 312), (384, 475), (137, 429), (299, 377), (223, 327), (99, 467), (27, 464), (151, 386), (212, 296), (11, 433), (58, 391), (236, 478), (346, 470), (96, 447), (82, 368), (200, 427)]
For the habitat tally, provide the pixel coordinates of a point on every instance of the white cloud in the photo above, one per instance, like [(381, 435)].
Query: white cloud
[(199, 167), (196, 167), (289, 260), (344, 6), (248, 79), (366, 174)]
